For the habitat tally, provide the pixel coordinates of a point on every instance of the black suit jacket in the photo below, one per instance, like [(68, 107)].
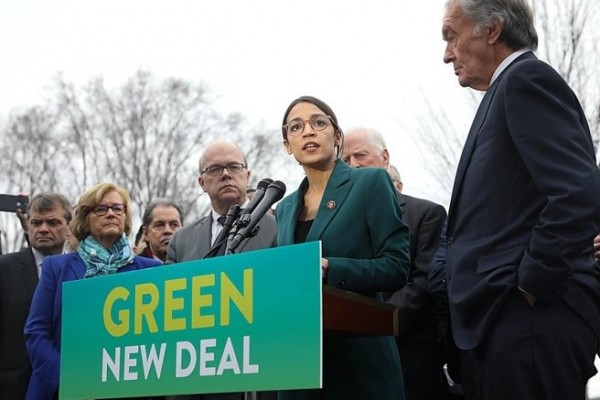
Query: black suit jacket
[(525, 206), (418, 310), (18, 279)]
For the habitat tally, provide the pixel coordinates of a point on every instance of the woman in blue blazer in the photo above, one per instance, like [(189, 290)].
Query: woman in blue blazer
[(365, 247), (101, 224)]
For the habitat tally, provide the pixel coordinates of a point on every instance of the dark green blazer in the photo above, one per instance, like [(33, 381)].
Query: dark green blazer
[(359, 223)]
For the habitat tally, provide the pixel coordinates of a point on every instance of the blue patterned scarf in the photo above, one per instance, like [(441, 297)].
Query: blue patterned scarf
[(99, 260)]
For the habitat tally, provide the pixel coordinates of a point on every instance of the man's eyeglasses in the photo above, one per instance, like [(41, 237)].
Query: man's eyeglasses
[(102, 209), (217, 170), (317, 122)]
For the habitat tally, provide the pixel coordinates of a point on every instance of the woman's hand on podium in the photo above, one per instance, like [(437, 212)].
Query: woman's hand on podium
[(324, 267)]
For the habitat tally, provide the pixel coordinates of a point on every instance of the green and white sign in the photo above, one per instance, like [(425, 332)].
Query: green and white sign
[(250, 321)]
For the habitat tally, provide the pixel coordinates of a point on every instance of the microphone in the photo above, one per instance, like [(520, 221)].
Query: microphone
[(232, 215), (258, 195), (274, 193)]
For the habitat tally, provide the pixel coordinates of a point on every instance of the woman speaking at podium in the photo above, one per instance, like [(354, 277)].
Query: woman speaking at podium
[(355, 213)]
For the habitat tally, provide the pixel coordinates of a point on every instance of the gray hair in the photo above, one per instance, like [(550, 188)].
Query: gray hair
[(374, 137), (147, 217), (515, 16), (394, 173), (47, 201)]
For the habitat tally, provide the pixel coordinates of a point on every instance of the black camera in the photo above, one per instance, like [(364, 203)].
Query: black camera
[(11, 203)]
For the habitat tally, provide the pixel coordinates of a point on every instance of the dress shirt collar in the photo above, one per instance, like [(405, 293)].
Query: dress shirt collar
[(215, 227), (39, 258), (506, 62), (216, 215)]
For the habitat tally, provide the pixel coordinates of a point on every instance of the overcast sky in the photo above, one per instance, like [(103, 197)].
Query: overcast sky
[(372, 61)]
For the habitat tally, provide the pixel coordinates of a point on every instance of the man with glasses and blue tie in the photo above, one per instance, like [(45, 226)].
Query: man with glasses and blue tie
[(224, 177)]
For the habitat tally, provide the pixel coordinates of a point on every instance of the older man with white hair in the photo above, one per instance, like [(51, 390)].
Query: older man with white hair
[(419, 340)]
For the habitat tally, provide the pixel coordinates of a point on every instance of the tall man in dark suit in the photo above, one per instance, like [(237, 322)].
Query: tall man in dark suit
[(48, 217), (523, 291), (224, 177), (418, 341)]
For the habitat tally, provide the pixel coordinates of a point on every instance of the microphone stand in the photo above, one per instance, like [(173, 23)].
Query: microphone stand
[(247, 224), (242, 222), (230, 219)]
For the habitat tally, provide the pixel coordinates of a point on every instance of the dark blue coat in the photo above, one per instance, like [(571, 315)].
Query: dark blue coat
[(43, 327), (525, 205)]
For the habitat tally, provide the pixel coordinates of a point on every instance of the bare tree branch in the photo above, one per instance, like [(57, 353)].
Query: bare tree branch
[(146, 135)]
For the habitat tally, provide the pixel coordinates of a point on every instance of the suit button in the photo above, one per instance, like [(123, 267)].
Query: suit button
[(450, 240), (342, 283)]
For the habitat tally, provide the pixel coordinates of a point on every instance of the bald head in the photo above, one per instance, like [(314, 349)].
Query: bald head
[(224, 175), (219, 148), (365, 147)]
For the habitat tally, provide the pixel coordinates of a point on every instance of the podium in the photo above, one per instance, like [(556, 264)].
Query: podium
[(352, 314), (218, 325)]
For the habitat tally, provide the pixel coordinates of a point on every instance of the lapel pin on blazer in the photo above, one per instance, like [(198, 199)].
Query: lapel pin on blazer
[(331, 205)]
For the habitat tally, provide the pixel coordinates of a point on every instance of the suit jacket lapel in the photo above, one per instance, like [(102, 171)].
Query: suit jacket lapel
[(77, 266), (336, 191), (28, 269), (203, 236), (285, 234), (480, 117), (469, 146), (401, 201)]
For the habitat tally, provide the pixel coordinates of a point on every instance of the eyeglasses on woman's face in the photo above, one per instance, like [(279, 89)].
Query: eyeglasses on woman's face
[(102, 209), (317, 123), (217, 170)]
